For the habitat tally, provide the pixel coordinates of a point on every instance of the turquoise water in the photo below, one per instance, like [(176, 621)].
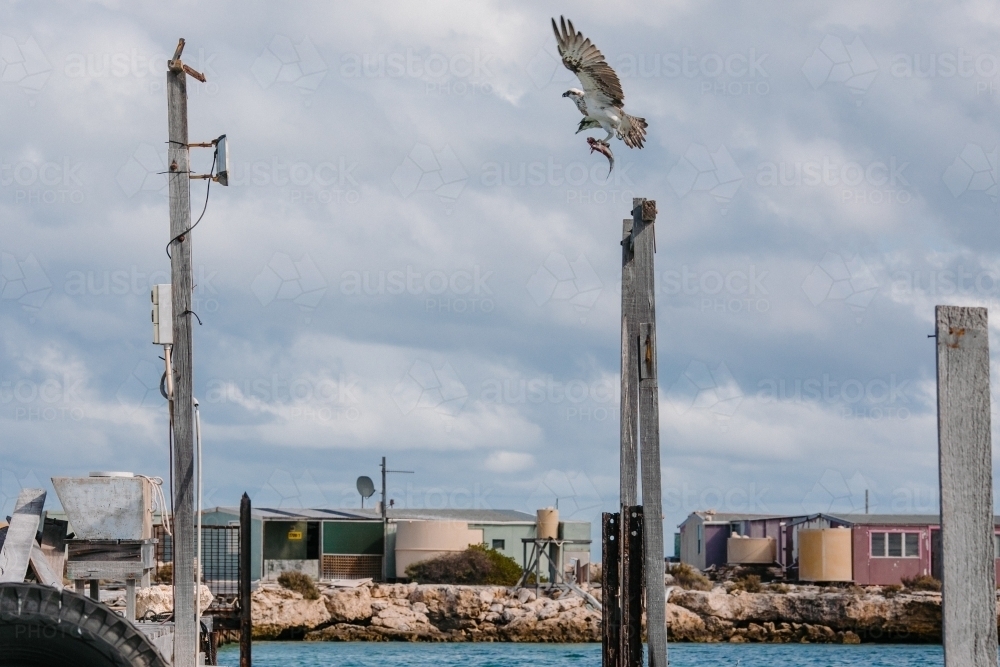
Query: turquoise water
[(363, 654)]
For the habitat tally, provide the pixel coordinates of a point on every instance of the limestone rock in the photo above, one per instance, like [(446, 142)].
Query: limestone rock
[(280, 613), (159, 599), (348, 605)]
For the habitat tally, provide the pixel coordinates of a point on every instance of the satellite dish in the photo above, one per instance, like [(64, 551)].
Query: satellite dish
[(366, 487)]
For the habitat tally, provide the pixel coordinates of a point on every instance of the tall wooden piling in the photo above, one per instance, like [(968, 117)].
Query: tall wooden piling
[(965, 455), (181, 278), (629, 373), (643, 234)]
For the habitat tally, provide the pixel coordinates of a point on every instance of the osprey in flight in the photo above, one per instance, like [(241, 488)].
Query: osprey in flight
[(601, 101)]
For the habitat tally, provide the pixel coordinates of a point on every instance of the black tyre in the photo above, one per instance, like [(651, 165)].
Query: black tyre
[(42, 626)]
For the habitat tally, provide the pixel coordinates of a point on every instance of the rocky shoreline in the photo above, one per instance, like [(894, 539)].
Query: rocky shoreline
[(442, 613)]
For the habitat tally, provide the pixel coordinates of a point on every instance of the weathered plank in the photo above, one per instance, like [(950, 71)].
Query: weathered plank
[(643, 219), (43, 570), (16, 552), (611, 611), (966, 478), (629, 379)]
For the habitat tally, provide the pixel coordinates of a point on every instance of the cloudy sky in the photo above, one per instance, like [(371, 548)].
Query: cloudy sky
[(417, 258)]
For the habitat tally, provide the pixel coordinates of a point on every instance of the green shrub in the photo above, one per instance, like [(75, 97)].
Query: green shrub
[(477, 565), (750, 583), (690, 578), (164, 574), (924, 582), (300, 583), (781, 589), (891, 590)]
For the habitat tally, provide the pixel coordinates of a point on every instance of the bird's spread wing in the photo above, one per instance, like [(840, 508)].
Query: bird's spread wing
[(632, 130), (583, 59)]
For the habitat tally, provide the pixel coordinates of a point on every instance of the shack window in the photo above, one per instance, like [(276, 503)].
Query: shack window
[(699, 538), (895, 545), (878, 544), (499, 544)]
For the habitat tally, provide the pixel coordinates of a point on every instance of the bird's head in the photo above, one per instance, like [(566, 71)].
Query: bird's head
[(573, 92)]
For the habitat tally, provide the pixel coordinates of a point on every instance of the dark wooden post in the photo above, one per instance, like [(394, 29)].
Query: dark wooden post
[(969, 607), (246, 617), (643, 234), (611, 611), (632, 565)]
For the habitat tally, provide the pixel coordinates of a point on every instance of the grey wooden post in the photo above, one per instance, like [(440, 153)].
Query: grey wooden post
[(630, 374), (969, 608), (179, 188), (130, 599), (643, 217)]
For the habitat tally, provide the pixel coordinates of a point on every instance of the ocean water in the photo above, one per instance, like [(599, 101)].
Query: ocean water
[(399, 654)]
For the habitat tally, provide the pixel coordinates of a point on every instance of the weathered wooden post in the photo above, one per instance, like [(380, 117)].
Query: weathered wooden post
[(643, 234), (630, 576), (965, 458), (630, 373), (186, 629)]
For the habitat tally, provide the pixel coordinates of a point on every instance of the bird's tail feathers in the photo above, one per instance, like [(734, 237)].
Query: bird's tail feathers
[(632, 130)]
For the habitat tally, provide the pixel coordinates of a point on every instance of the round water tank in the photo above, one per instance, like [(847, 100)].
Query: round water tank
[(548, 523), (422, 540)]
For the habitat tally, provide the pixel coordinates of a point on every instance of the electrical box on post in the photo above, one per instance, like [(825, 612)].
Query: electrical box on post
[(163, 319), (222, 160)]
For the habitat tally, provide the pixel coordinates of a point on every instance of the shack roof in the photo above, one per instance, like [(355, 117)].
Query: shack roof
[(467, 515)]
